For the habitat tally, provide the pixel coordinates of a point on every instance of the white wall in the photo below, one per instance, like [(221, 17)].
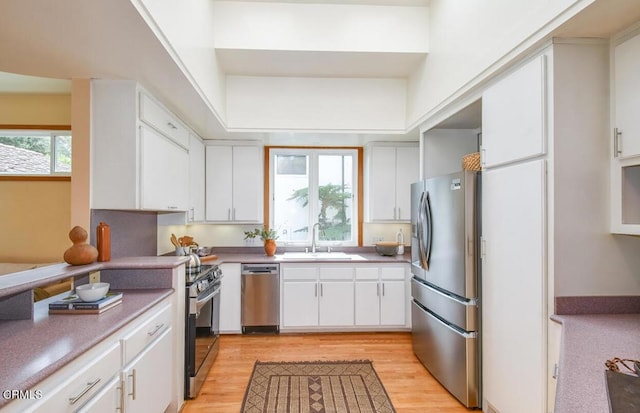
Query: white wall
[(320, 27), (468, 37), (187, 26), (315, 103), (443, 150)]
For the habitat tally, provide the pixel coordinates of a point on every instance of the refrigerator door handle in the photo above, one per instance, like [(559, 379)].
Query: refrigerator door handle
[(421, 247), (427, 210)]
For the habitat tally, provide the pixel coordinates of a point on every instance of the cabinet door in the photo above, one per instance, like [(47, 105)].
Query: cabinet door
[(230, 301), (513, 285), (300, 304), (336, 303), (367, 305), (627, 95), (107, 400), (382, 183), (163, 170), (393, 303), (219, 185), (513, 113), (148, 378), (407, 172), (196, 179), (247, 184)]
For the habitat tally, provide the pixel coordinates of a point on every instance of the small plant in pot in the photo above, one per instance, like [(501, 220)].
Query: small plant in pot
[(268, 236)]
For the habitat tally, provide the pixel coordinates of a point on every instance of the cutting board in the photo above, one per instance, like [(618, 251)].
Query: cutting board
[(208, 258)]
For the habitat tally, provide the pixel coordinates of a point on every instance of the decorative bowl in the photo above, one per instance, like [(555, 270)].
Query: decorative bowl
[(387, 248), (92, 292)]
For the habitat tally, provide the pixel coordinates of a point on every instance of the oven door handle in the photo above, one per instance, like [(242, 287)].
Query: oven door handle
[(200, 301)]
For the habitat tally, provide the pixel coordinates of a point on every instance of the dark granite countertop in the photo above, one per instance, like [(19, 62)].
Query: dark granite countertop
[(588, 341), (32, 350)]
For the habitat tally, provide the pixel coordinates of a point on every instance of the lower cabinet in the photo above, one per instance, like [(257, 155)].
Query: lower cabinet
[(230, 299), (147, 379), (343, 296), (129, 372)]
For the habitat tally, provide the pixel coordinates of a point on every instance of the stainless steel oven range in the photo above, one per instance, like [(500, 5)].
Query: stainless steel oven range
[(202, 327)]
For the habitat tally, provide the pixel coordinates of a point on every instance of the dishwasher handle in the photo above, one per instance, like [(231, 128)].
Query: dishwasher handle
[(260, 269)]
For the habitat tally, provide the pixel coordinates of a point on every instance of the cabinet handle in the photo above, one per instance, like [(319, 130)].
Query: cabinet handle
[(155, 330), (193, 214), (89, 386), (172, 207), (133, 384), (617, 136), (321, 290), (171, 125), (383, 289), (120, 396), (315, 293), (229, 214), (483, 156), (378, 290)]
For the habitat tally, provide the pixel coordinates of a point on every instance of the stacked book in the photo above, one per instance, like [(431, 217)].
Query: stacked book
[(74, 305)]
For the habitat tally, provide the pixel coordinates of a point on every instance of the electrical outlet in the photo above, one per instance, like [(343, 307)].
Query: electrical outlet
[(94, 277)]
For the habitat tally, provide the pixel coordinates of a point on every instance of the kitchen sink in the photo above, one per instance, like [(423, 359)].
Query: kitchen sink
[(311, 256)]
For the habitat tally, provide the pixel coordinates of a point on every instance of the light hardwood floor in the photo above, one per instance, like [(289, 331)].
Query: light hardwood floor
[(409, 385)]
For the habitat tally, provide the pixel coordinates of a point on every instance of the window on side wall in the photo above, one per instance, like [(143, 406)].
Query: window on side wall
[(35, 152), (314, 186)]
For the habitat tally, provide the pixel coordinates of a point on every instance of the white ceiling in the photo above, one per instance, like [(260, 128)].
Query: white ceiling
[(109, 39)]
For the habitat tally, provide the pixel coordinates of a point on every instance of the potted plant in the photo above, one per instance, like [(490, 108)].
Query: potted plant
[(269, 236)]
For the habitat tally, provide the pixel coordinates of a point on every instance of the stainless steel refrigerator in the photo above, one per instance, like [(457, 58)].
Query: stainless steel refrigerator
[(445, 221)]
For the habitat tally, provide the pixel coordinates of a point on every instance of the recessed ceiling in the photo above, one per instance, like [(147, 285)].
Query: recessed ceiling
[(15, 83)]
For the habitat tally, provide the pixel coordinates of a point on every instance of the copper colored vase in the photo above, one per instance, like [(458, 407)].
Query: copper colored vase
[(270, 247)]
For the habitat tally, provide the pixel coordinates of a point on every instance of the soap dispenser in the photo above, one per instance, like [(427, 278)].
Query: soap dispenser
[(400, 240)]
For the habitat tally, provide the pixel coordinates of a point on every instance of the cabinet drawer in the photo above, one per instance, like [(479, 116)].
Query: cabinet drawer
[(392, 273), (95, 369), (300, 273), (147, 331), (336, 273), (159, 118), (367, 273)]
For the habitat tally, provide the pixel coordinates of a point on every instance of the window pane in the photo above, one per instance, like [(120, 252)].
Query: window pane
[(25, 154), (335, 204), (291, 197), (62, 145)]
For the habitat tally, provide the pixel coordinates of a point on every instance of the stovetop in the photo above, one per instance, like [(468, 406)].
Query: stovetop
[(206, 272)]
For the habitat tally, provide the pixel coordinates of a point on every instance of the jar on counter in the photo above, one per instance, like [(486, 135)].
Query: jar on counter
[(103, 242)]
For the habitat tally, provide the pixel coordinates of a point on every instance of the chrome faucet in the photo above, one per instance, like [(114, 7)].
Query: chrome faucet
[(313, 237)]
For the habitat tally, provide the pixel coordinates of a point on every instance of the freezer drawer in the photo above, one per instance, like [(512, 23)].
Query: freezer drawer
[(462, 313), (450, 356)]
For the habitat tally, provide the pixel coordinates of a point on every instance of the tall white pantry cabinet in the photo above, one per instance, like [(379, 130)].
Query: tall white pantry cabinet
[(544, 143)]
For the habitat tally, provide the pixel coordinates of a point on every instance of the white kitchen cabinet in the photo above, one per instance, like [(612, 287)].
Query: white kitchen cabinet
[(136, 163), (381, 296), (338, 296), (161, 188), (196, 179), (71, 389), (147, 380), (513, 115), (300, 304), (234, 183), (230, 299), (625, 159), (513, 286), (626, 80), (107, 400), (390, 172)]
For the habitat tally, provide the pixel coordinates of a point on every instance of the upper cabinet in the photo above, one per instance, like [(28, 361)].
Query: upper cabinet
[(625, 160), (196, 179), (626, 63), (234, 183), (139, 150), (513, 116), (391, 169)]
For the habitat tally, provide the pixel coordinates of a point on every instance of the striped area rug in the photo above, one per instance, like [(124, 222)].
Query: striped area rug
[(315, 387)]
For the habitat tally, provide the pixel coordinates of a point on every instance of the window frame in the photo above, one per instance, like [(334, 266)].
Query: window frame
[(44, 130), (269, 156)]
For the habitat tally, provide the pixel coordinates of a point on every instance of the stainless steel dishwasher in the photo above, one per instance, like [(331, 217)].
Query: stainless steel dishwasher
[(260, 298)]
